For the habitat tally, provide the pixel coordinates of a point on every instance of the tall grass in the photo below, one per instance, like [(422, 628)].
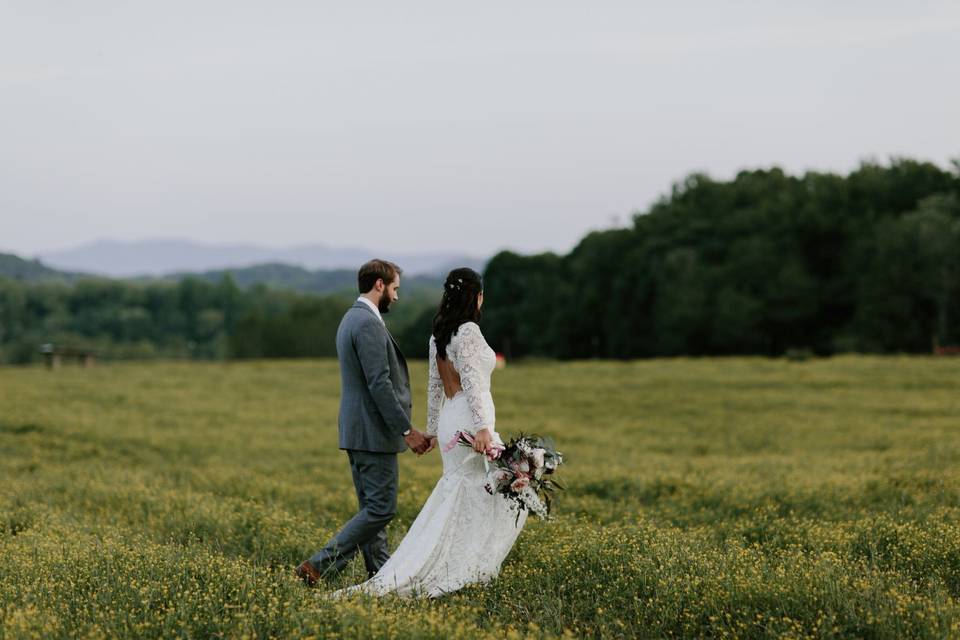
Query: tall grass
[(710, 498)]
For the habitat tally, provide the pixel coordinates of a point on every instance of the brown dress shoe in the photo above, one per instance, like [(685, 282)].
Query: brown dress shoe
[(308, 574)]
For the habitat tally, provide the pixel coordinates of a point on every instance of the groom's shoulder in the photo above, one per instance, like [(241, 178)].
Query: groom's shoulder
[(356, 317)]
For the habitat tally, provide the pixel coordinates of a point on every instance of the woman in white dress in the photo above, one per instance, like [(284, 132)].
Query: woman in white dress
[(462, 534)]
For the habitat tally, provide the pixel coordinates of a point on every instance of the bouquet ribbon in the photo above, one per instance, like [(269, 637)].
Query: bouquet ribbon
[(463, 436)]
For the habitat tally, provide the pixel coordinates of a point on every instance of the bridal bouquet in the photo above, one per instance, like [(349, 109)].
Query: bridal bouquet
[(522, 470)]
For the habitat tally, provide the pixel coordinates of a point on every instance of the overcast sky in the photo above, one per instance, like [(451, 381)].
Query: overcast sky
[(441, 125)]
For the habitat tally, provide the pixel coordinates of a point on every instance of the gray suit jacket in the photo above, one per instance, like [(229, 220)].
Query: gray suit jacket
[(375, 400)]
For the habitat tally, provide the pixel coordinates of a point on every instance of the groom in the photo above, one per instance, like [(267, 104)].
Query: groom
[(374, 422)]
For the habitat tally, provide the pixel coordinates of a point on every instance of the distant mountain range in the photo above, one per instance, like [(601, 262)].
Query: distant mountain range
[(159, 257), (273, 275), (320, 281)]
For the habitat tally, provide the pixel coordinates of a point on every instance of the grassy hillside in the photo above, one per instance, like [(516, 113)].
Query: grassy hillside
[(16, 268), (708, 497)]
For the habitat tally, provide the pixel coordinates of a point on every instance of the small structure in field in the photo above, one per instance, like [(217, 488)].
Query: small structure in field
[(54, 355), (501, 361)]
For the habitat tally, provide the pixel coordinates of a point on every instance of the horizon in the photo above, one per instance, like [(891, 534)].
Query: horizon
[(616, 221)]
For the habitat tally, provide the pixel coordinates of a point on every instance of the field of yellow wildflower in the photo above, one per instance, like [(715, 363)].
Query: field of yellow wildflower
[(732, 497)]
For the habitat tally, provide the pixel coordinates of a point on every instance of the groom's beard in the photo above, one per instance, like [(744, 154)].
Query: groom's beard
[(384, 304)]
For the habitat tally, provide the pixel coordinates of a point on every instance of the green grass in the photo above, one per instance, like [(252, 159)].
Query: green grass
[(708, 497)]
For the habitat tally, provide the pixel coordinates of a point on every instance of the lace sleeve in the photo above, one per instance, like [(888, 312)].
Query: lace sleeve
[(466, 360), (434, 391)]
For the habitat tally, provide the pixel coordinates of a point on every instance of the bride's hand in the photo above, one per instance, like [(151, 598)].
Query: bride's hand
[(482, 441), (433, 443)]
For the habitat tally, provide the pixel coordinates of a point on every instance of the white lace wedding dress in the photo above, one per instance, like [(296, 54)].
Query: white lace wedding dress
[(463, 533)]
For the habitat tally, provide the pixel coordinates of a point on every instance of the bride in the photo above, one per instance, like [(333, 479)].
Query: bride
[(462, 534)]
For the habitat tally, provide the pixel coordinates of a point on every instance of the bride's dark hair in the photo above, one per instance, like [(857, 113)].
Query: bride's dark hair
[(459, 304)]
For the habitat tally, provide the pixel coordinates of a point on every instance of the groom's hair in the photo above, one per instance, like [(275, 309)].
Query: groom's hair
[(375, 270)]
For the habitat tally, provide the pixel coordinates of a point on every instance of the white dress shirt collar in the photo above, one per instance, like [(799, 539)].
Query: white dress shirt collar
[(367, 302)]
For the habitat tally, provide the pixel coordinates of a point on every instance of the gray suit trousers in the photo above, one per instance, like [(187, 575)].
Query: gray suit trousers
[(375, 478)]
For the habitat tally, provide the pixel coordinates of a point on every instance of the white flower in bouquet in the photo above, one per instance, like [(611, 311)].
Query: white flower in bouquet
[(553, 462), (532, 501), (537, 456)]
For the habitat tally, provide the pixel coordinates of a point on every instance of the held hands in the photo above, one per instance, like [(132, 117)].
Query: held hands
[(418, 442)]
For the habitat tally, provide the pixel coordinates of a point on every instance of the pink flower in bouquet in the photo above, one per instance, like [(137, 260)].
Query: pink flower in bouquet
[(494, 451), (520, 484)]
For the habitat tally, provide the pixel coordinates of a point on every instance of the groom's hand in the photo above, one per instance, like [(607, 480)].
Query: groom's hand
[(416, 441), (432, 440)]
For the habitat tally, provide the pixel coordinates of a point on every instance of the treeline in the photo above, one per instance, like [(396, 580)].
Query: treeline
[(191, 318), (762, 264)]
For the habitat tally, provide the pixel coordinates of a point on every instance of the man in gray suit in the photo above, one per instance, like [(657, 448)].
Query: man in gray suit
[(374, 423)]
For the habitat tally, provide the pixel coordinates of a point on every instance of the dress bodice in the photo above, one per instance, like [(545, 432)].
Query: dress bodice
[(474, 361)]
